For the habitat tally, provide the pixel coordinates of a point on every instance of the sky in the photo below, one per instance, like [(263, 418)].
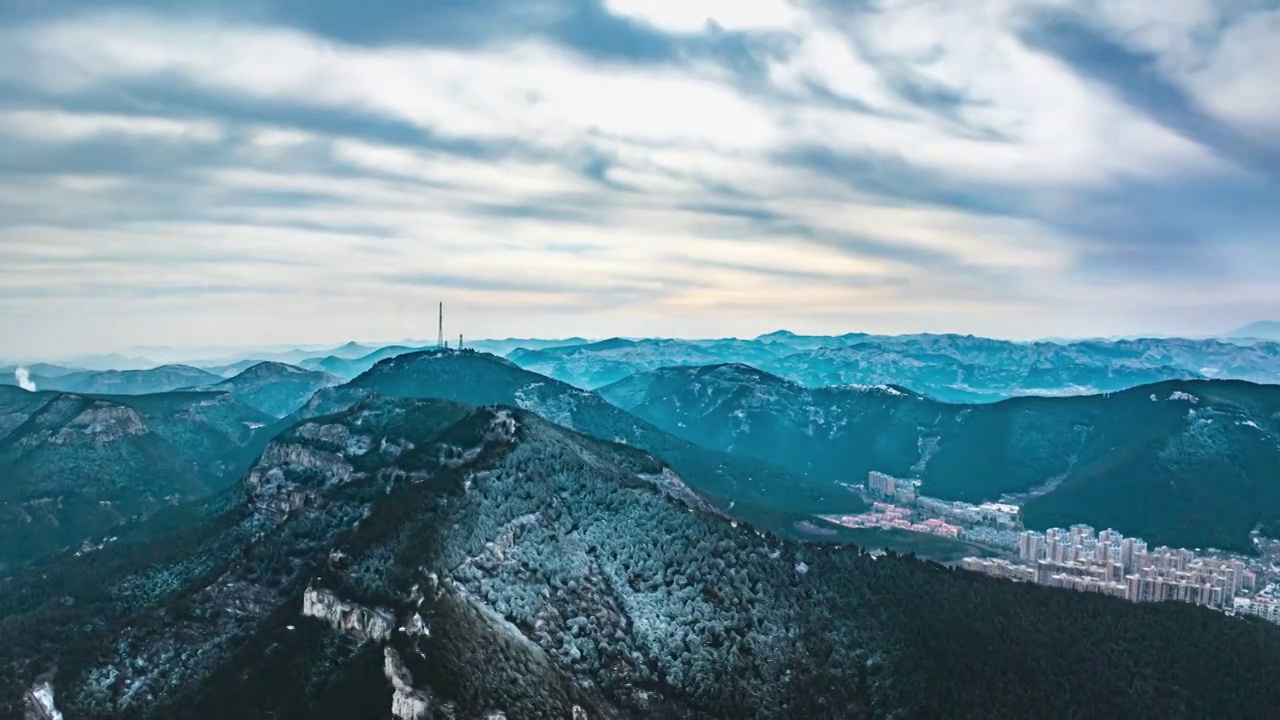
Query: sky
[(300, 171)]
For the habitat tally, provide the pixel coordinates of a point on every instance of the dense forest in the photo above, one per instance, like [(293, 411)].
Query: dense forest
[(75, 466)]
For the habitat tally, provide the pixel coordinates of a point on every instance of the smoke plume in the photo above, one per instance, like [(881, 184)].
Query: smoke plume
[(24, 379)]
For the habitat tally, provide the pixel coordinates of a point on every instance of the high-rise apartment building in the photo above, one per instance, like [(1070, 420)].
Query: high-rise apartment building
[(1031, 545)]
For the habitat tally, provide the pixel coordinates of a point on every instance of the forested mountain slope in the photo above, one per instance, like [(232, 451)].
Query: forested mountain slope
[(1193, 464), (447, 561), (74, 466), (275, 388)]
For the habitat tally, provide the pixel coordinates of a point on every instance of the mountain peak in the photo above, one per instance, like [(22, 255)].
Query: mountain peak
[(417, 357), (1263, 329), (270, 369), (610, 344), (276, 388)]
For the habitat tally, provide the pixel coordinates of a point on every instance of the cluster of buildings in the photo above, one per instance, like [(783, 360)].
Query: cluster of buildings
[(887, 487), (1002, 538), (1077, 558), (996, 515), (994, 524), (1266, 607), (890, 517)]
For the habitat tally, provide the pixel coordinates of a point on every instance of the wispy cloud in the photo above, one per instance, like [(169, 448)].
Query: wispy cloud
[(618, 166), (1136, 77)]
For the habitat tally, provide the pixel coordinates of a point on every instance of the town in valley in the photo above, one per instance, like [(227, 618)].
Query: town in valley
[(1080, 557)]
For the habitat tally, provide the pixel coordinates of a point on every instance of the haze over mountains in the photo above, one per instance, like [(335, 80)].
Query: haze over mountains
[(1266, 330), (124, 382), (952, 368)]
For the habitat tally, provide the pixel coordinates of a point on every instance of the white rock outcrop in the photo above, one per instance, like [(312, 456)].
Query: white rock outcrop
[(407, 703), (354, 620), (39, 702)]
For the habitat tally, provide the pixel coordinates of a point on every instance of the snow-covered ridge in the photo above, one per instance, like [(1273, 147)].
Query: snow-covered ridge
[(881, 388)]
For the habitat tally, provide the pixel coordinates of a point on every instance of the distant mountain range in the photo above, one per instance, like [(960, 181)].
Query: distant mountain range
[(271, 387), (951, 368), (109, 361), (422, 559), (46, 370), (348, 368), (120, 382), (74, 466), (1188, 463)]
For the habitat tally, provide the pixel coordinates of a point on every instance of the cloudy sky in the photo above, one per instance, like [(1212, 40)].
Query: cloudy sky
[(254, 171)]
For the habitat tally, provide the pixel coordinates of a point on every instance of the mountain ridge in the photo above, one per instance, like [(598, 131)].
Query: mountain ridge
[(77, 465), (746, 485), (952, 368), (275, 388)]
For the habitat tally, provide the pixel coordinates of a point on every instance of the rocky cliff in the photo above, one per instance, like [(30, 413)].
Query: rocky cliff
[(355, 621)]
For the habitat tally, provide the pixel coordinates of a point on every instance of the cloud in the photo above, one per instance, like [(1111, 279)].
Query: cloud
[(606, 167), (55, 126), (684, 16), (1137, 79)]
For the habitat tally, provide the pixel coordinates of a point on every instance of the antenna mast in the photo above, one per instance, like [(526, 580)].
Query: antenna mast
[(440, 334)]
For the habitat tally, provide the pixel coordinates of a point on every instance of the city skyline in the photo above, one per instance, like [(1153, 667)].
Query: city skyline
[(216, 174)]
